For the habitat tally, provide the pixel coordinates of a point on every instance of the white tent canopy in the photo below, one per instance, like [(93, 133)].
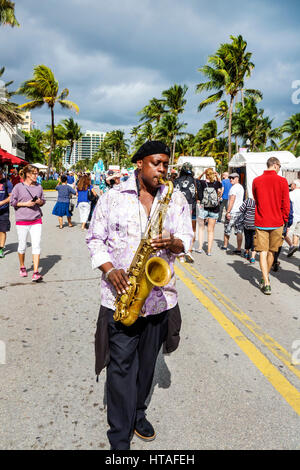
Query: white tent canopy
[(199, 163), (255, 163), (292, 166), (40, 166)]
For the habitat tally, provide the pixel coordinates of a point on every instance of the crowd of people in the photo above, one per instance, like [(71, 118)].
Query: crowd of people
[(208, 196), (23, 191), (262, 221)]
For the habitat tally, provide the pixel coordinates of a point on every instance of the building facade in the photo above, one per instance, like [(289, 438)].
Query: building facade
[(10, 138), (27, 125), (85, 147)]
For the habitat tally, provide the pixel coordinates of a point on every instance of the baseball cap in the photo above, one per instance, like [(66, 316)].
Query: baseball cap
[(233, 175)]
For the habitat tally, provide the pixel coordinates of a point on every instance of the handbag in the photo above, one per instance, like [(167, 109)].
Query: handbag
[(71, 207), (91, 196)]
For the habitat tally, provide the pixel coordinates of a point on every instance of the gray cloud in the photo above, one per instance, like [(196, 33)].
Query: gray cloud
[(115, 56)]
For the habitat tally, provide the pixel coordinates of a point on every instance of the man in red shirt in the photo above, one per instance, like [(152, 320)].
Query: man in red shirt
[(15, 178), (271, 195)]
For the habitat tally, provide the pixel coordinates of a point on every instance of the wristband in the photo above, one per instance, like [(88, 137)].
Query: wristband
[(108, 273)]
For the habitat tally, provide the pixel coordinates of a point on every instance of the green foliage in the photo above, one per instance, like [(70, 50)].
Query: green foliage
[(7, 13), (44, 88), (49, 184), (10, 115), (33, 146)]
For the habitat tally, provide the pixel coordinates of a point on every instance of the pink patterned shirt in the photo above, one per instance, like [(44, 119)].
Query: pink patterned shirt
[(115, 232)]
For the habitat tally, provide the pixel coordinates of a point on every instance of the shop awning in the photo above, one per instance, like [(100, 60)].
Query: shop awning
[(6, 157)]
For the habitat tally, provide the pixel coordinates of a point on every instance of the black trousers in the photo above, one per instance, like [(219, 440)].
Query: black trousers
[(133, 354), (249, 239)]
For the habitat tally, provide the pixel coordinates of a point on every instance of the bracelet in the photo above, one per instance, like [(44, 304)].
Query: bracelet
[(108, 273)]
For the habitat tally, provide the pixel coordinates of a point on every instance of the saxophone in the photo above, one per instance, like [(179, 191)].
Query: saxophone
[(144, 272)]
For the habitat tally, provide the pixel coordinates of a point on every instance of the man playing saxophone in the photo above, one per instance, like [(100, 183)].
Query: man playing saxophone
[(119, 223)]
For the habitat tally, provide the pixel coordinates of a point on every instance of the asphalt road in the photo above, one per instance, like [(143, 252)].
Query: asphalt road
[(231, 384)]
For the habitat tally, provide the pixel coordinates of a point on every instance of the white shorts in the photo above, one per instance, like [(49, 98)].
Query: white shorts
[(35, 232), (84, 211)]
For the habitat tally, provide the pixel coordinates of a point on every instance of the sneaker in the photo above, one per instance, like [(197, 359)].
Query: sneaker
[(275, 266), (246, 255), (237, 252), (224, 248), (252, 260), (23, 272), (196, 250), (266, 290), (291, 251), (36, 277), (2, 255), (189, 258), (208, 254)]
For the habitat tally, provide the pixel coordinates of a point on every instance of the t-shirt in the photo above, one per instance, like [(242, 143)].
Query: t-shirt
[(64, 192), (295, 198), (236, 190), (186, 184), (201, 185), (4, 192), (83, 195), (227, 186), (70, 179)]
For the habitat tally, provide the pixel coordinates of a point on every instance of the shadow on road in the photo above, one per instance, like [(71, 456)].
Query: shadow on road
[(247, 272), (47, 263), (253, 275), (11, 248), (162, 378)]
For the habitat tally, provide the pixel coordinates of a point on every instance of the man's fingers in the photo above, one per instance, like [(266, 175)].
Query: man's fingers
[(119, 280)]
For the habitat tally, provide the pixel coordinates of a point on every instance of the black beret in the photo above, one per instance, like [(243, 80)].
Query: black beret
[(152, 147)]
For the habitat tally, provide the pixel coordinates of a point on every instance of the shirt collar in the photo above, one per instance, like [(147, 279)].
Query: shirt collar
[(130, 185)]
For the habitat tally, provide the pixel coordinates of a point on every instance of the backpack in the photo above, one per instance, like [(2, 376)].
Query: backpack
[(210, 197)]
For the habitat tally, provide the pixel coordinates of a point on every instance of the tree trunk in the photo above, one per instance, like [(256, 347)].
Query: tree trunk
[(173, 151), (52, 146), (71, 150), (229, 127), (242, 96)]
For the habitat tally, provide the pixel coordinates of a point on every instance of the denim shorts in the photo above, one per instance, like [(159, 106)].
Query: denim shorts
[(206, 214)]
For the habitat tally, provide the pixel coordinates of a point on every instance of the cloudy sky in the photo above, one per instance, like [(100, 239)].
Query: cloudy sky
[(114, 56)]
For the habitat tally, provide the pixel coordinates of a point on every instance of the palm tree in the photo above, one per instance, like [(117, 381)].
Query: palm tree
[(226, 72), (168, 129), (153, 111), (42, 89), (7, 13), (174, 100), (291, 127), (10, 114), (72, 133), (117, 144), (249, 122)]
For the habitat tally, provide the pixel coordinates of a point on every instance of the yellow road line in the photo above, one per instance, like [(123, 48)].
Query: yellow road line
[(279, 382), (264, 338)]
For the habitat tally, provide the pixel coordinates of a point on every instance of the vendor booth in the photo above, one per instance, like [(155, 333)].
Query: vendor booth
[(291, 171), (200, 164), (249, 165)]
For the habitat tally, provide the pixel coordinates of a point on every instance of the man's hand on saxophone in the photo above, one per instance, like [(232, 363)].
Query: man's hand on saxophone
[(117, 277), (173, 244)]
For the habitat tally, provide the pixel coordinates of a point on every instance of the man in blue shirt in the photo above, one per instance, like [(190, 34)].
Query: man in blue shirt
[(6, 188), (226, 185), (70, 179)]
